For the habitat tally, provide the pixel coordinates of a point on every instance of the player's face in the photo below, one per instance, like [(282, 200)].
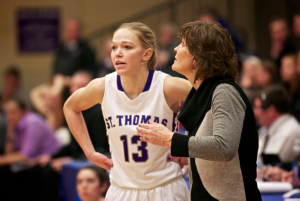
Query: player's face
[(184, 61), (127, 51), (88, 185)]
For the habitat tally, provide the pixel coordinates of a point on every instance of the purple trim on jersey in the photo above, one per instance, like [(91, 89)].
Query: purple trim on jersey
[(147, 86), (149, 80), (119, 83), (174, 123)]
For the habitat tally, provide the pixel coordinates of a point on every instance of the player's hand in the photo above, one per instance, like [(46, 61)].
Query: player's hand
[(101, 160), (155, 133)]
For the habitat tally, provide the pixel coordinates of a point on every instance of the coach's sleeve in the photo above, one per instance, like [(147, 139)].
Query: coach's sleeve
[(180, 145)]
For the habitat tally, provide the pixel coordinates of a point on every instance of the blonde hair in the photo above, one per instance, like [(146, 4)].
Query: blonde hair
[(146, 37)]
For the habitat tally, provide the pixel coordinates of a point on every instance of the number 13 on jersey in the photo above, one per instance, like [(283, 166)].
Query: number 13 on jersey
[(142, 156)]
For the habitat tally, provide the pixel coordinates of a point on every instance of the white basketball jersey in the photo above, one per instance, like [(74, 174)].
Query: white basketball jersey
[(137, 164)]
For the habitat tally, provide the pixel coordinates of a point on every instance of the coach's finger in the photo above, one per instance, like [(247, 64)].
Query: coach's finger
[(144, 131), (152, 122), (148, 126)]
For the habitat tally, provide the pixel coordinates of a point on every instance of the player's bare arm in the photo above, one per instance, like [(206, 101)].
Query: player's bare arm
[(176, 89), (80, 100)]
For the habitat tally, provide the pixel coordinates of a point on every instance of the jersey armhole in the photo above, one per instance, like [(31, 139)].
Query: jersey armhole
[(105, 91), (167, 107)]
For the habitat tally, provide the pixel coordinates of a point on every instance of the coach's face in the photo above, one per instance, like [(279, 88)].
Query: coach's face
[(184, 61)]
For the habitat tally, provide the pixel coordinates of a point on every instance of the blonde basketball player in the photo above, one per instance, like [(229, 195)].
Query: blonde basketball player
[(134, 94)]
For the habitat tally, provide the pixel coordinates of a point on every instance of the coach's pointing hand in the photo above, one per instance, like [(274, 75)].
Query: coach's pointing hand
[(155, 133)]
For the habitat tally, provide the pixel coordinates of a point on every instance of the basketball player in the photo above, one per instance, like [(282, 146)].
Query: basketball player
[(134, 94)]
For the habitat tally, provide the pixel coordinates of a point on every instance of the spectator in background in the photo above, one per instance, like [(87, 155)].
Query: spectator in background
[(288, 73), (28, 137), (167, 41), (248, 73), (13, 86), (73, 53), (296, 29), (97, 130), (266, 74), (271, 110), (48, 100), (281, 41), (3, 126), (295, 101), (106, 66), (207, 14), (91, 183)]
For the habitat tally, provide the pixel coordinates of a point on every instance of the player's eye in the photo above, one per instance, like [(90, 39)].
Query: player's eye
[(113, 47), (127, 47)]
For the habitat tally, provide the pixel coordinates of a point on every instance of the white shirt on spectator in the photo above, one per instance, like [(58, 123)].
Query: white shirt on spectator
[(282, 136)]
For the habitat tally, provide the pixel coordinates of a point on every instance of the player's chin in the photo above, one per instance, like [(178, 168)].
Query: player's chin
[(121, 71)]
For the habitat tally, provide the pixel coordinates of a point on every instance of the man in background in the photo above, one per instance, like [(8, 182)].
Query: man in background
[(73, 53)]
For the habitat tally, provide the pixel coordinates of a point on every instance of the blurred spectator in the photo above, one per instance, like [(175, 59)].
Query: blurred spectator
[(295, 102), (28, 137), (281, 41), (13, 86), (106, 66), (207, 14), (266, 74), (97, 130), (48, 100), (288, 73), (91, 183), (73, 53), (249, 67), (3, 127), (296, 29), (271, 109), (167, 41)]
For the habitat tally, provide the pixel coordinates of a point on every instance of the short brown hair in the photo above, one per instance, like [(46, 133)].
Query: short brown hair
[(212, 48), (146, 37), (275, 95), (270, 67)]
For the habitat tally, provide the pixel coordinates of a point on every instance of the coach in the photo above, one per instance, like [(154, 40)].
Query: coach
[(221, 139)]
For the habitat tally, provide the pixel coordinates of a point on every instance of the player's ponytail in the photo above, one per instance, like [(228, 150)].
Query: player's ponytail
[(147, 38)]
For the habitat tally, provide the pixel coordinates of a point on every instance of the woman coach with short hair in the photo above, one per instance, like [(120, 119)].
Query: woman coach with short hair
[(222, 139)]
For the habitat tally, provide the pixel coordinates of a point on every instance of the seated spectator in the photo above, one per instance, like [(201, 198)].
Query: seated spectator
[(248, 73), (3, 126), (289, 74), (295, 101), (97, 130), (281, 41), (91, 183), (48, 100), (296, 30), (28, 137), (271, 109), (266, 74), (208, 14), (13, 87), (106, 66), (73, 53)]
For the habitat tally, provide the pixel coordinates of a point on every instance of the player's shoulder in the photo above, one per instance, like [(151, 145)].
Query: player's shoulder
[(97, 84), (176, 82)]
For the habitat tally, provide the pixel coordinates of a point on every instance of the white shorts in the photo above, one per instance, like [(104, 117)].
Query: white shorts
[(175, 190)]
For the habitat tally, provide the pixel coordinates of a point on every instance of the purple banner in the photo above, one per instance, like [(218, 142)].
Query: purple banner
[(38, 29)]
